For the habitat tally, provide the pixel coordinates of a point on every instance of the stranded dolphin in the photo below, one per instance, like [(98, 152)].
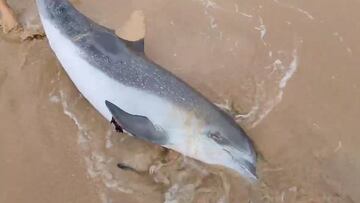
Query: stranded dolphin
[(147, 101)]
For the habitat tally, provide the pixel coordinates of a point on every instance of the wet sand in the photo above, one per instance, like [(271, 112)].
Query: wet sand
[(289, 69)]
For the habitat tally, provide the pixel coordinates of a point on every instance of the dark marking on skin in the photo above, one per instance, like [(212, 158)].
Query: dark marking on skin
[(36, 36), (126, 167), (117, 126)]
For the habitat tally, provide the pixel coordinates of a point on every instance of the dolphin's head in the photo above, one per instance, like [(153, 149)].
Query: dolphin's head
[(228, 145), (214, 138), (62, 15)]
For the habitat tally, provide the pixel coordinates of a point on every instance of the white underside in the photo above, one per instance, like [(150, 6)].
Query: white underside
[(184, 130)]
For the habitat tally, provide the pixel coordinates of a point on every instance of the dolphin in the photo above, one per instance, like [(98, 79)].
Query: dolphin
[(142, 98)]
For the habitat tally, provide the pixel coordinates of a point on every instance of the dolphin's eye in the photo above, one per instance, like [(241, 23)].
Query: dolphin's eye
[(216, 136)]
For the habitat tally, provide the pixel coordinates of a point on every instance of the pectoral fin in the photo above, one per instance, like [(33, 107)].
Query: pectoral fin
[(137, 125)]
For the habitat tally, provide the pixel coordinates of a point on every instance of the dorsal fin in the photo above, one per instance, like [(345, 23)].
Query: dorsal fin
[(138, 45)]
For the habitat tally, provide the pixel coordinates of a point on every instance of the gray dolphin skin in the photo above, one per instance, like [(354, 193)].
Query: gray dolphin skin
[(146, 100)]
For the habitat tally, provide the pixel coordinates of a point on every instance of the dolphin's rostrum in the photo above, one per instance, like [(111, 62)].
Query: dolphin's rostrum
[(149, 102)]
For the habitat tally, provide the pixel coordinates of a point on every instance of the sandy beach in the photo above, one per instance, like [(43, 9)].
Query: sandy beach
[(289, 69)]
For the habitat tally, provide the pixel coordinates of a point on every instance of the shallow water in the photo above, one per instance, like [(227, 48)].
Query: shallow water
[(290, 70)]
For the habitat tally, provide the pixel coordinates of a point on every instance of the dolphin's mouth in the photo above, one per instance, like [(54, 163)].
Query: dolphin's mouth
[(248, 169), (251, 169)]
